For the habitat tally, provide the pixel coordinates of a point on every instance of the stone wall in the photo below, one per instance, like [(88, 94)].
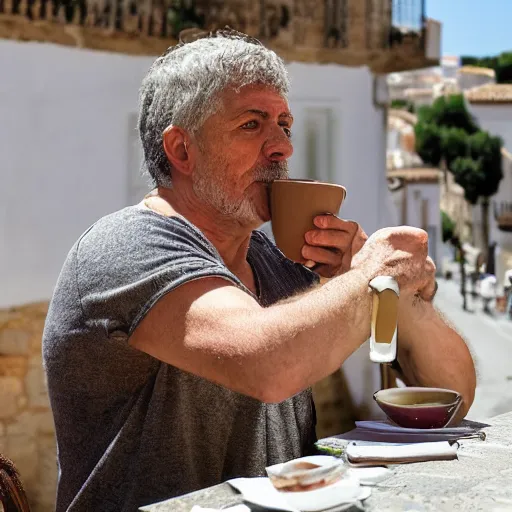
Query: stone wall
[(26, 423)]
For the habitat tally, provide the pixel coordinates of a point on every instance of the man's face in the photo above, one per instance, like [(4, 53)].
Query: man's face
[(243, 147)]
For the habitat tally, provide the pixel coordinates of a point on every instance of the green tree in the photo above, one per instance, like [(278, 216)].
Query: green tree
[(447, 134), (502, 65), (451, 112), (454, 143), (402, 105), (428, 143), (448, 226), (504, 68), (469, 175)]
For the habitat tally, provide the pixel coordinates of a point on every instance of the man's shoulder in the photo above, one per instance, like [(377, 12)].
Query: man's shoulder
[(128, 218), (138, 229)]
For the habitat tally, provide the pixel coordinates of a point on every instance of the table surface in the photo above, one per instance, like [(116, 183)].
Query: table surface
[(481, 479)]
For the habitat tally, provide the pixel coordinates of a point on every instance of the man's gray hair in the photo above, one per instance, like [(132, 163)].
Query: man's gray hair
[(183, 88)]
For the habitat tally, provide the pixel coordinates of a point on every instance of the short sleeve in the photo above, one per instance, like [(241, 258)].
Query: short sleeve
[(129, 260)]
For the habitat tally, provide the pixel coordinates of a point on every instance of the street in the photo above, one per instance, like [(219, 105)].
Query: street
[(490, 341)]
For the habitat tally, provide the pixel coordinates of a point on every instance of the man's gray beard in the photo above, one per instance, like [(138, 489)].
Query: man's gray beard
[(211, 189)]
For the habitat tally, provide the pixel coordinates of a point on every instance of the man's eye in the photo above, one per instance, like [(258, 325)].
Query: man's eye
[(251, 125)]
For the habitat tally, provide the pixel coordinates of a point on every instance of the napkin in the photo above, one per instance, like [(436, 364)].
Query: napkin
[(371, 454)]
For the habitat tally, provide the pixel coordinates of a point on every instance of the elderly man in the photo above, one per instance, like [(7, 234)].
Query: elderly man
[(181, 345)]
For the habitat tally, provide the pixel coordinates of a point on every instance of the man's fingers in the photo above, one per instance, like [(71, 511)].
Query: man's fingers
[(333, 222), (336, 239), (321, 255)]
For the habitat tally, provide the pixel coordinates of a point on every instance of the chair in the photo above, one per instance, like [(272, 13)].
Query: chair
[(12, 494)]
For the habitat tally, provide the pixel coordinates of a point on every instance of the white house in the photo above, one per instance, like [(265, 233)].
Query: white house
[(491, 104), (474, 76), (415, 188)]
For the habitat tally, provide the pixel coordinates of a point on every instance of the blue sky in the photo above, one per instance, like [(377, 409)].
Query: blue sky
[(473, 27)]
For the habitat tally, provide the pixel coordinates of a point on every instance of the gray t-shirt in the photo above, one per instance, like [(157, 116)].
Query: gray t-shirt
[(132, 430)]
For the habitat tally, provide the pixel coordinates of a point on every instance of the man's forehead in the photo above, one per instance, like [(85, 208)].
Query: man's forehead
[(256, 99)]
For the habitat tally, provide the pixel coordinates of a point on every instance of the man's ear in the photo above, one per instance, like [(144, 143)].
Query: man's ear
[(176, 146)]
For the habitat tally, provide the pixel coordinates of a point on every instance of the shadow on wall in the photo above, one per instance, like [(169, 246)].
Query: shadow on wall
[(27, 435)]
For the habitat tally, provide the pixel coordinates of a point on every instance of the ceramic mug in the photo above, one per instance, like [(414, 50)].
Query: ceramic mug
[(293, 206)]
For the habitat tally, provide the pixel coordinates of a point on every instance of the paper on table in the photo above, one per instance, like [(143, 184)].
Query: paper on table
[(375, 455)]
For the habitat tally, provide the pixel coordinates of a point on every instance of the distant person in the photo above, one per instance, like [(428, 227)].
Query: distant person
[(507, 288), (488, 291)]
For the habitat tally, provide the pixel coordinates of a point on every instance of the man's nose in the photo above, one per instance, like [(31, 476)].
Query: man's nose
[(278, 147)]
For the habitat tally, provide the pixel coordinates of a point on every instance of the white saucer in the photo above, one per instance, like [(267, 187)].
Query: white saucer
[(261, 492)]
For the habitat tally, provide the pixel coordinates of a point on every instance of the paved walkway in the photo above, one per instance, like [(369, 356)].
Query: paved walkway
[(490, 340)]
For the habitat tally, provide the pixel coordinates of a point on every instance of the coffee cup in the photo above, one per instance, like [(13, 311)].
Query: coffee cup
[(294, 204)]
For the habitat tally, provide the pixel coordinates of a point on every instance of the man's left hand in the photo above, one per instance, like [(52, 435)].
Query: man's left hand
[(330, 247)]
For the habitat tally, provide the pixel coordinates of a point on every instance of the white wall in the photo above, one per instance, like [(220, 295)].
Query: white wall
[(63, 147), (416, 193), (496, 119), (66, 157), (359, 142), (470, 80)]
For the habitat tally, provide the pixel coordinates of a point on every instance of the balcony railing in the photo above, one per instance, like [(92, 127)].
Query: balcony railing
[(379, 33)]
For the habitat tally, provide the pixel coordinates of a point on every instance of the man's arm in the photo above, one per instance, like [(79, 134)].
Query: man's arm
[(213, 329), (433, 354), (216, 331)]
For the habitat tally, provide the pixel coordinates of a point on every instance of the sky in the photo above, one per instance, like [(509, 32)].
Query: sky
[(473, 27)]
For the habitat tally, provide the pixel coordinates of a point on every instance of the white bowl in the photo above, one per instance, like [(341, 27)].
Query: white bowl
[(306, 471), (345, 490)]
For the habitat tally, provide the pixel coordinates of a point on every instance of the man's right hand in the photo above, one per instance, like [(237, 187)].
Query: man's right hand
[(400, 252)]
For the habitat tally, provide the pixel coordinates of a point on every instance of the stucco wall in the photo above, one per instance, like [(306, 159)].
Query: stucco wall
[(496, 119), (416, 193), (26, 422)]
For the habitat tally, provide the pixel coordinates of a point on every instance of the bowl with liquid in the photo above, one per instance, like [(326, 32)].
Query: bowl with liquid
[(417, 407)]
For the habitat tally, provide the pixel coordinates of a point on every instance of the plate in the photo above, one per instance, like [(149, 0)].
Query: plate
[(261, 492)]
